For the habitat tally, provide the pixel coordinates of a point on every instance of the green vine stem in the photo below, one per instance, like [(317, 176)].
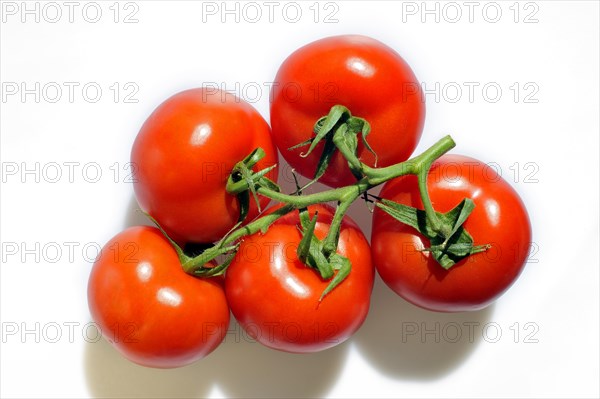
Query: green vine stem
[(339, 131), (344, 196)]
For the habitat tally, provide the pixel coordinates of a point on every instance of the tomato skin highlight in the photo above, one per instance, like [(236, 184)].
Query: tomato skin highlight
[(184, 154), (499, 218), (360, 73), (148, 308), (275, 297)]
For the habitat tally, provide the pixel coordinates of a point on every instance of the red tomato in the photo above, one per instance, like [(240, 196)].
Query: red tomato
[(184, 154), (148, 307), (499, 219), (365, 76), (275, 297)]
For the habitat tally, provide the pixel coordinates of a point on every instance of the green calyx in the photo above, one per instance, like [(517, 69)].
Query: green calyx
[(243, 180), (338, 130), (447, 248), (312, 253), (199, 265)]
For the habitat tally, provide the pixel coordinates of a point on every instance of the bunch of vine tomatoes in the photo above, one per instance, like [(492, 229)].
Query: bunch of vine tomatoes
[(158, 315)]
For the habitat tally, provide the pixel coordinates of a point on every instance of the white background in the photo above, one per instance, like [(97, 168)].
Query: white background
[(543, 138)]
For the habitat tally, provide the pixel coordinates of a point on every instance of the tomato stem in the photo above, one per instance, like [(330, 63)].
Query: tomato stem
[(418, 166), (259, 224), (331, 240), (344, 196), (339, 129)]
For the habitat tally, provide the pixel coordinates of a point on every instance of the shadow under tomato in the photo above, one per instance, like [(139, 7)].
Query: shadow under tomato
[(245, 368), (406, 342), (110, 375), (240, 367)]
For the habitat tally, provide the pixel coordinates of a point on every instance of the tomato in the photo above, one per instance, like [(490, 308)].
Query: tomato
[(183, 155), (360, 73), (499, 219), (275, 297), (148, 308)]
